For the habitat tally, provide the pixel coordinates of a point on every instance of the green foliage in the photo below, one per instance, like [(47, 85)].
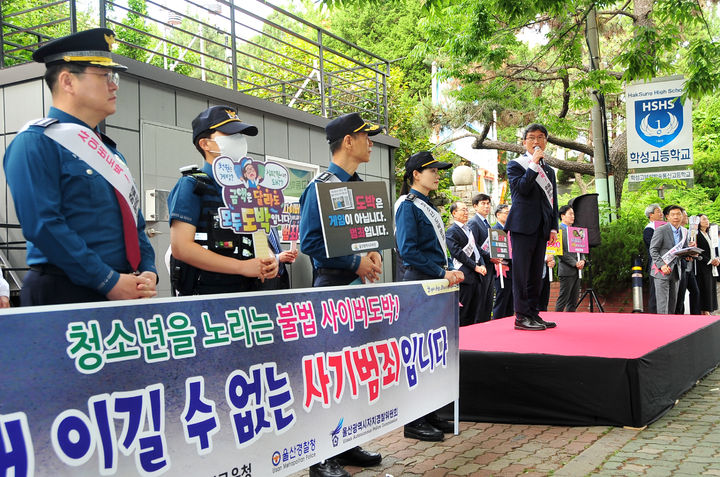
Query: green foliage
[(622, 238), (621, 243)]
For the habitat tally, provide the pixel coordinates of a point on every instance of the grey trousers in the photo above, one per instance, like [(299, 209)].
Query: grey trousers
[(666, 290)]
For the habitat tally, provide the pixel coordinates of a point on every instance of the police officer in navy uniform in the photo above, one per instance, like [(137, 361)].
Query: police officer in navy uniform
[(421, 246), (350, 146), (85, 238), (206, 258)]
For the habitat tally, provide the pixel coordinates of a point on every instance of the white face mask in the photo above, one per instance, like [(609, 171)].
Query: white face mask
[(234, 145)]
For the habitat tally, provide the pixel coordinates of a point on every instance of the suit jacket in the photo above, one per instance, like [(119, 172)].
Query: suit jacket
[(530, 210), (567, 260), (480, 232), (662, 241), (457, 239), (508, 262)]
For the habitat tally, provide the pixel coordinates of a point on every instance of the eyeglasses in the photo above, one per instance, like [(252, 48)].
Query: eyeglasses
[(539, 138), (111, 76)]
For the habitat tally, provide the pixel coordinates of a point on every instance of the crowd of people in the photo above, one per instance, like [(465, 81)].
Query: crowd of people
[(681, 261), (58, 201)]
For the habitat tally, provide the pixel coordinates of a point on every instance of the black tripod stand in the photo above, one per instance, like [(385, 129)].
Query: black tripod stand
[(589, 292)]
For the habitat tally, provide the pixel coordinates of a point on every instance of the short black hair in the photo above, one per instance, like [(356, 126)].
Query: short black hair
[(335, 145), (479, 198), (563, 210), (53, 71), (202, 135), (500, 208), (535, 127), (670, 208)]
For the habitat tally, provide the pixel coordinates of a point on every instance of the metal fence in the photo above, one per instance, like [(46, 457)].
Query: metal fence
[(250, 46)]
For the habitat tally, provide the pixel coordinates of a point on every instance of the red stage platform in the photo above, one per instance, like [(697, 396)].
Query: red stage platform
[(593, 369)]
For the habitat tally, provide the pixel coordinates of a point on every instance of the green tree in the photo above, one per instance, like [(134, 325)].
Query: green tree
[(477, 42)]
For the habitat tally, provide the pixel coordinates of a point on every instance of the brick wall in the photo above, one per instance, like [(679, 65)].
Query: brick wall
[(620, 302)]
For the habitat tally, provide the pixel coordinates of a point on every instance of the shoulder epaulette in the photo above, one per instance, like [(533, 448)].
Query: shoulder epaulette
[(326, 176), (189, 170), (43, 122)]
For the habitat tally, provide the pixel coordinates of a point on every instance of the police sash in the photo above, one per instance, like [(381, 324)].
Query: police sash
[(85, 144), (432, 215), (542, 179)]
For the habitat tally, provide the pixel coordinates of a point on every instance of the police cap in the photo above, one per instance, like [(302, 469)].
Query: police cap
[(346, 124), (87, 48), (223, 119), (423, 160)]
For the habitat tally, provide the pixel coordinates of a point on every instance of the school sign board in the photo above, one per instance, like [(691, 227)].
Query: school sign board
[(659, 131), (261, 384), (356, 217)]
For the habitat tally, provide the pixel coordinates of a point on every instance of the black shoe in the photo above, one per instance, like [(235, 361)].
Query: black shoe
[(423, 431), (548, 324), (526, 323), (358, 457), (329, 468), (447, 427)]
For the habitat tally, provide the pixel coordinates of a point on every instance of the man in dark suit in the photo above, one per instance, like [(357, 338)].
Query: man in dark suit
[(479, 226), (503, 295), (532, 222), (466, 258)]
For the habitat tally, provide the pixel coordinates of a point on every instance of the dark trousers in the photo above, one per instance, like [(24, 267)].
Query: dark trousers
[(545, 291), (568, 295), (528, 260), (688, 283), (503, 298), (280, 282), (486, 288), (470, 298), (652, 303), (48, 285)]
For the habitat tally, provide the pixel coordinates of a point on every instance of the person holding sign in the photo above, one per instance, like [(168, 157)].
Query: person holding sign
[(74, 194), (666, 242), (207, 259), (569, 267), (421, 242), (532, 222), (503, 305), (466, 258), (707, 263), (350, 146)]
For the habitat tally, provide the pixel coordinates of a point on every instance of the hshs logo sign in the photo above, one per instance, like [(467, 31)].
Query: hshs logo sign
[(658, 121)]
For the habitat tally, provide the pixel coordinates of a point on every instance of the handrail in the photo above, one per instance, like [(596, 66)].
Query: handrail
[(252, 46)]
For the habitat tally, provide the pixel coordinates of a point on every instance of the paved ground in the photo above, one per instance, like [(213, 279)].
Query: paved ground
[(684, 442)]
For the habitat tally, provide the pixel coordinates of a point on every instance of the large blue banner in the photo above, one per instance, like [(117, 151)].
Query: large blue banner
[(229, 385)]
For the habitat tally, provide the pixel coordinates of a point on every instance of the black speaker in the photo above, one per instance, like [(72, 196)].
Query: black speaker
[(587, 215)]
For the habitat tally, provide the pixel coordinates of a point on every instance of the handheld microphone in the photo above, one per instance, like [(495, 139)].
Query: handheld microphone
[(537, 148)]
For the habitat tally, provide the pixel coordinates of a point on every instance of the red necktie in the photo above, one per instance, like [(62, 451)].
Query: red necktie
[(132, 245)]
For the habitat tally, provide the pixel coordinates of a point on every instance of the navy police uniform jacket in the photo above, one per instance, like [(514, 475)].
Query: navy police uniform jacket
[(69, 213), (311, 236), (416, 239)]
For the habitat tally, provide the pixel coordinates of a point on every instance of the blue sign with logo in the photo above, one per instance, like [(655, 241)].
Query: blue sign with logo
[(659, 120)]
